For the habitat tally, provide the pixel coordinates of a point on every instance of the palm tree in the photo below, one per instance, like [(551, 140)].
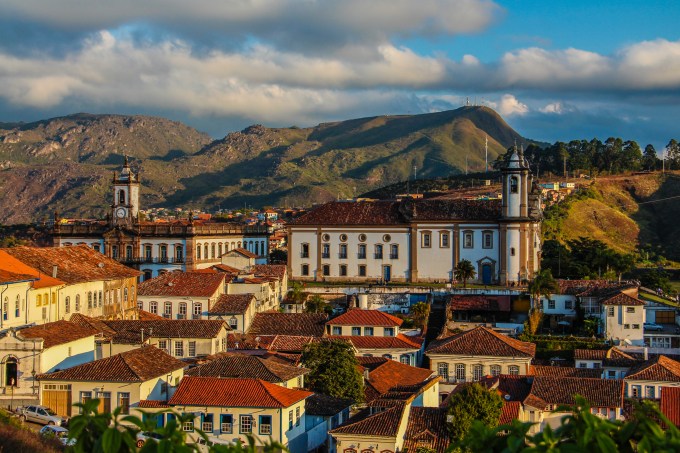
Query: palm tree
[(420, 311), (543, 284), (465, 271)]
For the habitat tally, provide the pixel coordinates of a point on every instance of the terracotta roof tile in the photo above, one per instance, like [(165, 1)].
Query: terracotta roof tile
[(401, 341), (300, 324), (479, 303), (659, 368), (96, 324), (284, 343), (242, 251), (233, 365), (135, 365), (270, 270), (326, 406), (622, 299), (509, 412), (482, 341), (361, 317), (129, 331), (670, 404), (426, 428), (547, 390), (226, 269), (13, 270), (231, 304), (563, 371), (183, 284), (58, 332), (208, 391), (75, 264), (391, 374), (384, 423), (592, 288), (153, 404), (147, 316)]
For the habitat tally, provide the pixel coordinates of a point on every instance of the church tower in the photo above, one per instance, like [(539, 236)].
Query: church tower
[(125, 207), (517, 228)]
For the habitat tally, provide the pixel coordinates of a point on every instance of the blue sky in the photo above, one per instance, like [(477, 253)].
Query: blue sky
[(555, 70)]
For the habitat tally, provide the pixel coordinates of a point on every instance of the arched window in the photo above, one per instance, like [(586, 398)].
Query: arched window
[(179, 253), (163, 250), (17, 305), (514, 185), (495, 370), (67, 304), (212, 250), (128, 252), (257, 248), (5, 309), (219, 249), (443, 371), (100, 298), (205, 252), (233, 323), (182, 310), (77, 303), (198, 252), (121, 197), (89, 299), (513, 369), (477, 372), (226, 247), (38, 300), (460, 371)]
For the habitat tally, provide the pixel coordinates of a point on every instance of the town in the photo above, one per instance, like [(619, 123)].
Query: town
[(378, 333)]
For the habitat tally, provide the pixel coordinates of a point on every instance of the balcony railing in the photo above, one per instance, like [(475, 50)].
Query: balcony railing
[(378, 256), (342, 256), (150, 260), (325, 255), (394, 256), (361, 256)]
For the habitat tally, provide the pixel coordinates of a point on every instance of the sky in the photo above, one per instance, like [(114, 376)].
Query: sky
[(554, 69)]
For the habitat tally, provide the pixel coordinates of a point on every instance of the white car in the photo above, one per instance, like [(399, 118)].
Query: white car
[(41, 414), (652, 326), (57, 432), (146, 435)]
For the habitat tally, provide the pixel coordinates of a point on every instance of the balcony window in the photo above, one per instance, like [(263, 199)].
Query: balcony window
[(378, 251), (179, 253), (182, 311), (362, 270), (361, 254), (128, 252), (325, 250), (198, 308), (167, 310), (495, 370), (304, 250), (460, 371), (477, 372), (394, 251), (343, 251), (443, 371)]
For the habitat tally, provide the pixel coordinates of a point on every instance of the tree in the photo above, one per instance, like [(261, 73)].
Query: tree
[(317, 304), (543, 284), (649, 159), (296, 293), (420, 311), (473, 402), (465, 271), (333, 369), (673, 155), (278, 256)]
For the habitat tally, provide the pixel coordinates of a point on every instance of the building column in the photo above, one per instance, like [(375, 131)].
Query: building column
[(318, 274), (413, 253)]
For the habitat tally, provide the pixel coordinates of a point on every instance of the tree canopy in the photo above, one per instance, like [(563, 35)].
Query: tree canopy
[(473, 402), (333, 369), (465, 271)]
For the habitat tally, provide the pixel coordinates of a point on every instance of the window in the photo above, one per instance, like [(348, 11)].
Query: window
[(192, 349), (125, 295), (337, 330), (362, 270), (114, 252), (104, 401), (626, 326), (290, 419), (77, 302), (630, 309), (512, 251), (387, 356), (163, 345), (153, 307), (477, 372), (468, 241), (89, 299), (179, 253), (460, 371), (84, 398), (179, 349), (583, 365), (325, 250), (326, 270), (305, 269), (343, 270), (198, 252), (343, 251), (226, 423), (394, 251), (124, 402), (219, 249), (198, 308), (304, 250), (246, 422), (495, 370), (233, 323), (207, 423), (343, 238), (361, 254), (95, 247), (121, 197), (405, 359), (551, 304), (356, 331), (182, 310), (635, 391), (514, 182), (188, 426), (378, 251), (265, 424), (426, 240), (513, 369), (443, 371), (568, 304), (611, 374), (444, 240), (38, 300), (387, 238), (101, 298), (649, 391), (368, 331), (5, 308), (487, 240), (205, 252), (610, 311), (17, 304), (389, 332), (636, 326), (297, 416), (362, 238), (596, 365)]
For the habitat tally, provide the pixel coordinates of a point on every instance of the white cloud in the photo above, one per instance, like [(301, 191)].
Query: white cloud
[(509, 105)]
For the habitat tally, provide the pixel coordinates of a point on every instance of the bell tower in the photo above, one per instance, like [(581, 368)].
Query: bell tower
[(125, 205)]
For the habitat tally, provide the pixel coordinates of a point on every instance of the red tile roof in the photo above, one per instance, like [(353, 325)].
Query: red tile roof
[(391, 374), (509, 412), (384, 423), (426, 428), (613, 356), (622, 299), (301, 324), (129, 331), (13, 270), (547, 390), (479, 303), (153, 404), (75, 264), (58, 332), (208, 391), (285, 343), (563, 371), (135, 365), (183, 284), (401, 341), (231, 304), (243, 252), (233, 365), (146, 316), (270, 270), (670, 404), (659, 368), (97, 324), (360, 317), (225, 268), (482, 341)]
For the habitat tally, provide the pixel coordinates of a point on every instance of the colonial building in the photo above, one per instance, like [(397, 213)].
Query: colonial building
[(422, 240), (157, 247)]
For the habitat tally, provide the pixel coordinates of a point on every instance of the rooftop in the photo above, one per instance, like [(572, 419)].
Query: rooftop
[(179, 284), (234, 365), (299, 324), (426, 428), (361, 317), (549, 390), (13, 270), (129, 331), (384, 423), (232, 304), (659, 368), (326, 406), (482, 341), (400, 341), (58, 332), (670, 404)]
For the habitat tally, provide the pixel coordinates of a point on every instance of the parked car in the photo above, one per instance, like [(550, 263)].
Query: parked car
[(42, 415), (58, 432), (204, 445), (146, 435), (652, 326)]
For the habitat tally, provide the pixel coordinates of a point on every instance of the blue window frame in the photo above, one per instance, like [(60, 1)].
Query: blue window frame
[(265, 425), (368, 331), (245, 424), (337, 330), (226, 423), (389, 331), (356, 331)]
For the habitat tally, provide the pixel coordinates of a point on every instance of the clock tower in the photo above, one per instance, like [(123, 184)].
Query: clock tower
[(125, 207)]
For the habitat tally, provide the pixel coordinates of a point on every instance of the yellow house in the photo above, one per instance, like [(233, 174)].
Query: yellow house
[(231, 409), (236, 309), (121, 381)]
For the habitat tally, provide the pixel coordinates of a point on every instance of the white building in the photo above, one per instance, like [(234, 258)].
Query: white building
[(157, 247), (422, 240)]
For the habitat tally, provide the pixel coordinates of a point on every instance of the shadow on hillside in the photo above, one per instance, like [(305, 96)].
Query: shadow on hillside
[(171, 155)]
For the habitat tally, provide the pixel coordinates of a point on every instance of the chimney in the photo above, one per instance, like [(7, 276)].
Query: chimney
[(54, 271)]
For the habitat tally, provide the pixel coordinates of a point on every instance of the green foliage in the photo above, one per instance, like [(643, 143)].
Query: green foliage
[(584, 258), (333, 369), (656, 279), (465, 271), (278, 256), (110, 433), (317, 304), (473, 403), (580, 431), (420, 311)]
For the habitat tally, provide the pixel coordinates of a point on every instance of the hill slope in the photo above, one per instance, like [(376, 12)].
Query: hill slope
[(50, 164)]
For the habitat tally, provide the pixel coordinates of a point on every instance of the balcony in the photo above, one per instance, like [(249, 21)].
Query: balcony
[(149, 260), (361, 256), (304, 254), (378, 256), (394, 256), (325, 255), (342, 256)]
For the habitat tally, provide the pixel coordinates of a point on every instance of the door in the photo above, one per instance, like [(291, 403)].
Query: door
[(486, 274), (11, 372), (58, 398), (387, 273)]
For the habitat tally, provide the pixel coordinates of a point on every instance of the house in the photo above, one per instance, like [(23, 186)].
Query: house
[(277, 273), (40, 349), (470, 355), (263, 288), (293, 324), (323, 413), (230, 409), (467, 308), (238, 310), (422, 240), (239, 258), (623, 319), (181, 295), (157, 247), (382, 375), (645, 379), (612, 363), (243, 366), (122, 380), (93, 284)]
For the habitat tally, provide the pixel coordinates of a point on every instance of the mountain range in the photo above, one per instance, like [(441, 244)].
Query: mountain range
[(66, 163)]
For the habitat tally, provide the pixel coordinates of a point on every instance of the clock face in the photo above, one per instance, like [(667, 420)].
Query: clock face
[(120, 213)]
